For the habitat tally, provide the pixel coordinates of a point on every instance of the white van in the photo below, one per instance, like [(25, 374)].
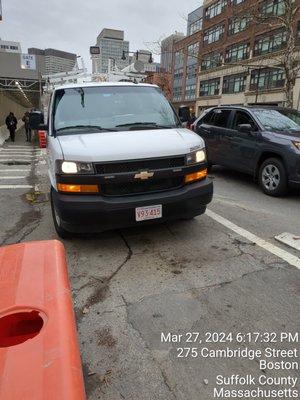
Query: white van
[(119, 156)]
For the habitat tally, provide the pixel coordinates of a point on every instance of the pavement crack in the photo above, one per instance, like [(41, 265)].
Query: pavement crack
[(163, 373), (102, 287), (29, 220)]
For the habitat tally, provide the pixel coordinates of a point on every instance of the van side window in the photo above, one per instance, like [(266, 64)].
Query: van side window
[(241, 118)]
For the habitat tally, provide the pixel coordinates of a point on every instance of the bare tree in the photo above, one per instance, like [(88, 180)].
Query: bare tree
[(285, 16)]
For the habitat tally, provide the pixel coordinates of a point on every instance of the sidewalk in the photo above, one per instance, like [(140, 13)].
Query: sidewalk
[(4, 134), (20, 139)]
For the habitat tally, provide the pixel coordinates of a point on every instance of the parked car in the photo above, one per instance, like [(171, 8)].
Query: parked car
[(259, 141), (118, 156)]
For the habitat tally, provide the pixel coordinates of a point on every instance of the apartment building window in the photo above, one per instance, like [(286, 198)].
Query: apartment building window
[(178, 73), (177, 93), (215, 9), (266, 78), (271, 43), (178, 58), (210, 87), (195, 26), (193, 51), (271, 8), (213, 34), (190, 92), (237, 52), (211, 60), (236, 2), (298, 30), (238, 24), (234, 83), (191, 71)]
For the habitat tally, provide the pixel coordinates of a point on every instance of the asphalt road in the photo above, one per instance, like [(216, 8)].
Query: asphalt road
[(130, 286)]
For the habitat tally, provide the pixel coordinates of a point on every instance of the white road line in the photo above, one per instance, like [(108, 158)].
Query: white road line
[(18, 147), (21, 149), (277, 251), (15, 187), (18, 160), (14, 170), (17, 155), (11, 153), (12, 177)]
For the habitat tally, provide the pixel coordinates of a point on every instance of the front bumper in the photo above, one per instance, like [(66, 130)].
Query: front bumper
[(95, 213)]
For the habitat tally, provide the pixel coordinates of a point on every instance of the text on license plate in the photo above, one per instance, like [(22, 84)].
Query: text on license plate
[(150, 212)]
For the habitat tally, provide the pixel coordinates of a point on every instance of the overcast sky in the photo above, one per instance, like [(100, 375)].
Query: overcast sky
[(73, 25)]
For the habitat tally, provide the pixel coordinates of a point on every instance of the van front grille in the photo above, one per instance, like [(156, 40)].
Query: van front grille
[(139, 165), (141, 187)]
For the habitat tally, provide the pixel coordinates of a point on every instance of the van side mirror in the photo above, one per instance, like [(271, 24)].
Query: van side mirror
[(36, 118), (184, 114), (245, 128)]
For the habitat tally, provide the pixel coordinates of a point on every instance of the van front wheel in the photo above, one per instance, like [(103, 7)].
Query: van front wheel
[(62, 233)]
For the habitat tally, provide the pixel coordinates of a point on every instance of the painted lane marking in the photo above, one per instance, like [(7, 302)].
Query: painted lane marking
[(289, 239), (16, 187), (19, 147), (12, 177), (18, 155), (17, 160), (277, 251), (14, 170)]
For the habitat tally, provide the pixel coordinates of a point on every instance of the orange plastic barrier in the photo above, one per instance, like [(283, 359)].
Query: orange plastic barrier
[(42, 139), (39, 356)]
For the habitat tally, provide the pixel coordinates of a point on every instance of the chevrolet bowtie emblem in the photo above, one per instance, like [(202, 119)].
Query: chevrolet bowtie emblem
[(144, 175)]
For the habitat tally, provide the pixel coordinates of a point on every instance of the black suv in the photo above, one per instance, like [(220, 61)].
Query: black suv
[(259, 141)]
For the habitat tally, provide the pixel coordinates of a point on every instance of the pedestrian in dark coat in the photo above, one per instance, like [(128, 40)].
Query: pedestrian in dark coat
[(25, 119), (11, 123)]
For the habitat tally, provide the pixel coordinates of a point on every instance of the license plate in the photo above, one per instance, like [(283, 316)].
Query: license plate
[(150, 212)]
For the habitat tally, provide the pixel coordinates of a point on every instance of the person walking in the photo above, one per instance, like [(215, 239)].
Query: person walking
[(25, 119), (11, 123)]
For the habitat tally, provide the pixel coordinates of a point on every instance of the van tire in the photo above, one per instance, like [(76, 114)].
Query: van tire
[(62, 233), (273, 177)]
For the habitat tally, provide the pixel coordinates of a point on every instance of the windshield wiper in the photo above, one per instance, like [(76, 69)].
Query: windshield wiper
[(96, 127), (146, 124)]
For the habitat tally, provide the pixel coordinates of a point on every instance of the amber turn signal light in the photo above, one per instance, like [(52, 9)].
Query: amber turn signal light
[(68, 188), (196, 176)]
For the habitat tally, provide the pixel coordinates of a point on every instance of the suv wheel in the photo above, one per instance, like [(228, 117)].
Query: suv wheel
[(272, 177), (62, 233)]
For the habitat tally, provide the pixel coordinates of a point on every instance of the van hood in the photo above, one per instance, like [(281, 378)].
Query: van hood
[(127, 145)]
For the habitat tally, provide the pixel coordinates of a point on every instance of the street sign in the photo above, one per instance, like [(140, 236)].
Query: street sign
[(28, 61)]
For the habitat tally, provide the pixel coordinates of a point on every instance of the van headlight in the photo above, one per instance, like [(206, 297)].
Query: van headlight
[(74, 167), (196, 157)]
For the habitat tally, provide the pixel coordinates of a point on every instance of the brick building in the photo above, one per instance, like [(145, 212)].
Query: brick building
[(238, 56), (161, 79), (186, 62)]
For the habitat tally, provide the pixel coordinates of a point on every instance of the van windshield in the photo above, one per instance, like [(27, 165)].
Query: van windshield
[(93, 109)]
